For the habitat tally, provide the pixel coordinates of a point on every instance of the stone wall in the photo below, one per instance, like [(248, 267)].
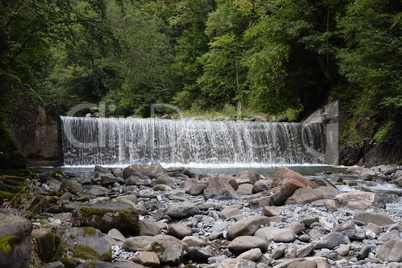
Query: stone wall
[(37, 129), (331, 116)]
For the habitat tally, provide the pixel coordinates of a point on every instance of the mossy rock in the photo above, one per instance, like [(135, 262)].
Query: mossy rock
[(47, 246), (107, 216), (6, 243)]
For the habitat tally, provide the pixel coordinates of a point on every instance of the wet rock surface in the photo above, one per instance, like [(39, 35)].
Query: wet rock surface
[(147, 216)]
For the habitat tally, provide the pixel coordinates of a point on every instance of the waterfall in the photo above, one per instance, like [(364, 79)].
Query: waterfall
[(118, 141)]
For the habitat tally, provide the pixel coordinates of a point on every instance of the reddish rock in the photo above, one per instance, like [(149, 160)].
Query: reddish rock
[(219, 188), (285, 183)]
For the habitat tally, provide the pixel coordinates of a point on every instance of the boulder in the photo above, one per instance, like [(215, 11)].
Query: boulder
[(219, 188), (243, 243), (247, 177), (151, 171), (357, 200), (84, 243), (260, 186), (107, 180), (251, 255), (246, 227), (136, 180), (245, 189), (71, 186), (331, 241), (379, 219), (390, 251), (198, 255), (179, 230), (106, 216), (270, 211), (182, 211), (303, 196), (275, 234), (237, 263), (146, 258), (163, 179), (15, 243), (285, 183), (46, 244), (148, 227), (168, 248), (193, 241)]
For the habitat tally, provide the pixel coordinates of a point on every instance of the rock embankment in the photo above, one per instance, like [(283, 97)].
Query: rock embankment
[(146, 216)]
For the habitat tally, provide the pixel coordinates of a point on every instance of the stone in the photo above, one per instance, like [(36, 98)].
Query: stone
[(237, 263), (16, 245), (270, 211), (220, 189), (357, 200), (106, 216), (146, 258), (303, 264), (96, 190), (231, 180), (398, 181), (246, 227), (285, 183), (275, 234), (347, 228), (394, 234), (163, 179), (102, 169), (182, 211), (331, 241), (343, 249), (168, 248), (331, 205), (152, 171), (148, 227), (375, 228), (390, 251), (251, 255), (231, 212), (179, 230), (84, 243), (199, 255), (303, 196), (277, 253), (193, 241), (245, 189), (328, 191), (197, 189), (260, 186), (243, 243), (131, 197), (107, 180), (363, 253), (367, 217), (115, 236), (297, 227), (136, 180), (161, 187), (250, 177), (71, 186), (308, 220), (305, 251)]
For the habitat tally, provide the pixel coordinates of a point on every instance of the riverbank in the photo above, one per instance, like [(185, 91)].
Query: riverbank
[(150, 216)]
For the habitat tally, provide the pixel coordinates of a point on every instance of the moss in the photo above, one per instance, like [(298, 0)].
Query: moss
[(70, 262), (126, 220), (85, 252), (89, 231), (89, 265), (157, 247), (6, 243), (57, 173), (6, 196), (55, 193), (85, 199), (47, 246)]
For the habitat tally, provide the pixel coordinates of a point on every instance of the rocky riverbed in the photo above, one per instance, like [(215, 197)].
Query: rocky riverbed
[(148, 216)]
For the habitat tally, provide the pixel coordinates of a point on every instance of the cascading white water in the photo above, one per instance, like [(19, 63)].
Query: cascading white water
[(118, 141)]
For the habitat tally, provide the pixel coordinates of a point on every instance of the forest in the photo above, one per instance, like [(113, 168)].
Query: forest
[(274, 57)]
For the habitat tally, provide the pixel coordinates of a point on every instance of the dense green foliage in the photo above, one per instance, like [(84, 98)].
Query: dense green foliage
[(270, 56)]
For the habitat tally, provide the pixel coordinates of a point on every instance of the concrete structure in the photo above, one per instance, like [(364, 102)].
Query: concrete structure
[(331, 117), (37, 130)]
